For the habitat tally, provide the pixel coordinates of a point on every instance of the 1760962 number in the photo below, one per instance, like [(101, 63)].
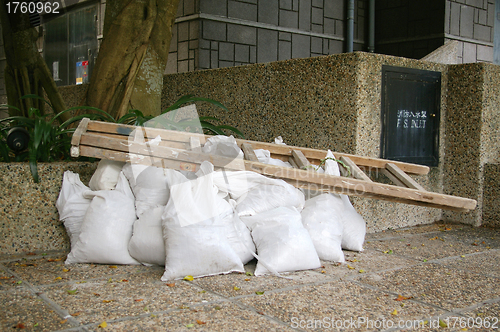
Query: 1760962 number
[(471, 322), (32, 7)]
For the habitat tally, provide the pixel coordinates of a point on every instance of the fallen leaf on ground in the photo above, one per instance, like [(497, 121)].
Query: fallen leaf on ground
[(113, 267), (394, 313), (200, 322), (107, 301), (189, 278), (63, 321), (66, 270), (72, 291), (259, 293), (171, 285), (138, 300), (350, 267), (57, 278), (189, 326), (236, 288), (247, 279), (401, 298), (19, 326), (442, 323), (103, 324)]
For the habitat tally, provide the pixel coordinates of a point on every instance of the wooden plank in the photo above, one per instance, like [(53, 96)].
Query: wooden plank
[(391, 177), (194, 144), (248, 152), (356, 172), (77, 135), (300, 160), (403, 177)]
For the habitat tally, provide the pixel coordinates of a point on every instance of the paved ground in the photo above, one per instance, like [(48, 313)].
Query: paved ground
[(435, 275)]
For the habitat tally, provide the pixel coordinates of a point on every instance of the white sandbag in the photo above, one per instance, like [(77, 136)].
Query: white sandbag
[(264, 156), (222, 146), (107, 227), (354, 232), (322, 217), (282, 242), (194, 234), (268, 197), (71, 204), (147, 245), (132, 171), (151, 189), (106, 175)]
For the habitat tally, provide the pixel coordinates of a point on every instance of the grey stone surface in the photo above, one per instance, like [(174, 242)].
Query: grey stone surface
[(242, 53), (467, 22), (317, 16), (285, 50), (39, 292), (482, 32), (242, 34), (267, 42), (215, 7), (214, 30), (305, 15), (242, 10), (288, 19), (226, 51), (334, 9), (301, 46), (268, 11)]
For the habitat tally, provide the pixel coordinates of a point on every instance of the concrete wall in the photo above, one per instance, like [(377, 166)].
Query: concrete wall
[(472, 150)]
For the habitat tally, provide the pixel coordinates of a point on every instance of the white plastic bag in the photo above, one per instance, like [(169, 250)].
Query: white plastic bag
[(222, 146), (264, 156), (150, 189), (106, 175), (354, 232), (147, 245), (282, 242), (107, 227), (268, 197), (194, 233), (322, 217), (71, 204), (132, 171)]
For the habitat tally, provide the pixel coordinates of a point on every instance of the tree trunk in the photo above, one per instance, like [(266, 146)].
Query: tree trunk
[(26, 71), (132, 57)]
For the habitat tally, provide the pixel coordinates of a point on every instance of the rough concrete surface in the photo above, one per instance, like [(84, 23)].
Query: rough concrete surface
[(433, 274)]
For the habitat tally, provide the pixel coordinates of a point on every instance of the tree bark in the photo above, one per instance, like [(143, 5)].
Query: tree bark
[(132, 57), (26, 71)]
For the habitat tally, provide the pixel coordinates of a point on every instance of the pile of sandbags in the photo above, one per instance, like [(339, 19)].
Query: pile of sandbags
[(206, 223)]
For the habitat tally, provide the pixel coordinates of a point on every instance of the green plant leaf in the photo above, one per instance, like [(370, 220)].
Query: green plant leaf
[(35, 97), (233, 129)]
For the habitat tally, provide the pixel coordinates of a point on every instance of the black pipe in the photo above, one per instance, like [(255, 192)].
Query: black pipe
[(350, 26), (371, 26)]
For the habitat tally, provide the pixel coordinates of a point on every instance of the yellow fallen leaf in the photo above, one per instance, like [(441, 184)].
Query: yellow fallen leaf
[(394, 313), (189, 278), (350, 267), (323, 271), (103, 325), (57, 278), (247, 279), (236, 288), (199, 322), (63, 321), (442, 323), (113, 267), (361, 271), (65, 270), (190, 326), (107, 301)]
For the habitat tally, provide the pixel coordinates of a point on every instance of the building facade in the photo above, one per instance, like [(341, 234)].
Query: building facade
[(212, 34)]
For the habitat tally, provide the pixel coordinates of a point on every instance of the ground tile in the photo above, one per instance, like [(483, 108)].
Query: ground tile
[(52, 270), (485, 263), (427, 246), (480, 236), (21, 310), (407, 231), (216, 317), (340, 303), (439, 285), (363, 262), (231, 285), (100, 300)]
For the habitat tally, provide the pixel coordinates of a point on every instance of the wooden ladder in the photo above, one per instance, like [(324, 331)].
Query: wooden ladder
[(182, 151)]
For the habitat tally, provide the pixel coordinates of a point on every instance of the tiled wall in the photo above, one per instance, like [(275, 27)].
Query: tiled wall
[(224, 33), (471, 22)]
